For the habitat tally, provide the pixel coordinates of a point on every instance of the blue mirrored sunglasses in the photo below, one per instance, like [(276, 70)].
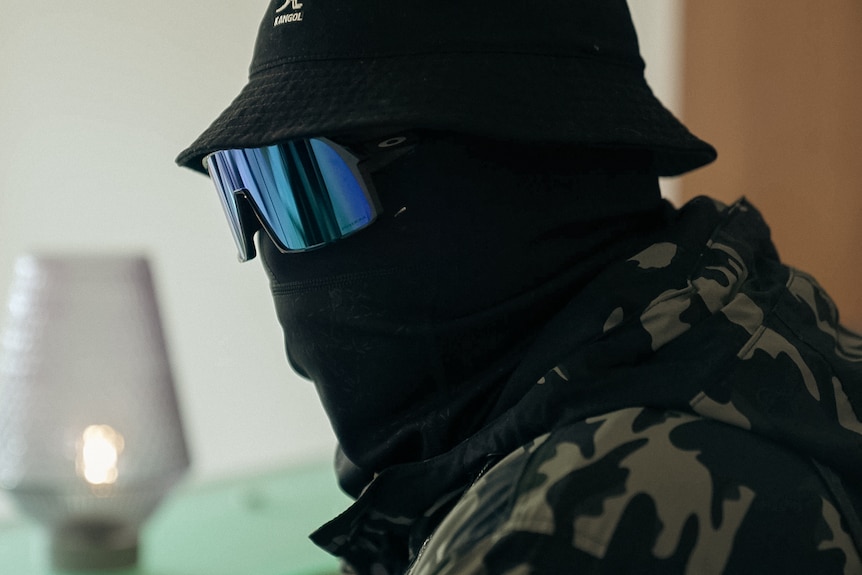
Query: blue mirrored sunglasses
[(303, 193)]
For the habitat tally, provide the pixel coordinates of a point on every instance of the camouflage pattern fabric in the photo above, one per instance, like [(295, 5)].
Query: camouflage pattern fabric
[(695, 409), (644, 491)]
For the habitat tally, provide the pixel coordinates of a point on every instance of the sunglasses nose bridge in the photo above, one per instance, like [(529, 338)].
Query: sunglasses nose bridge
[(249, 223)]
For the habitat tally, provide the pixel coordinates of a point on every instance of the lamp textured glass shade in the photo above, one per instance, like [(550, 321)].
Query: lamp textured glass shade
[(90, 432)]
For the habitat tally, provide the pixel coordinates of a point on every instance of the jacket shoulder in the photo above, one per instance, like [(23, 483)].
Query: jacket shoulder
[(644, 490)]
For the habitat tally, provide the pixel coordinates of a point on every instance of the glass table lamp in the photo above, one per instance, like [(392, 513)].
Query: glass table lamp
[(90, 432)]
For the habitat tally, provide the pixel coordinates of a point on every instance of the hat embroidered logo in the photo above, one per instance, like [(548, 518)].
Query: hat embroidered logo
[(294, 16)]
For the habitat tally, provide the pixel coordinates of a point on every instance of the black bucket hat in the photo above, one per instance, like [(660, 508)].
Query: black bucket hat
[(563, 71)]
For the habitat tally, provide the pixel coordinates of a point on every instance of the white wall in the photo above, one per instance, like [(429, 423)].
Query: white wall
[(660, 30), (96, 99)]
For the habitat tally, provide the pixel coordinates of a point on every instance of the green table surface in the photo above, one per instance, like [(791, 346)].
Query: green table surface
[(256, 525)]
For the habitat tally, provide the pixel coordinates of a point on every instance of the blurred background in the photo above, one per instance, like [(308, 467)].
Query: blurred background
[(776, 86), (97, 98)]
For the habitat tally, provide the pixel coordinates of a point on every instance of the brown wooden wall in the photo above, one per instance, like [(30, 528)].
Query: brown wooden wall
[(776, 86)]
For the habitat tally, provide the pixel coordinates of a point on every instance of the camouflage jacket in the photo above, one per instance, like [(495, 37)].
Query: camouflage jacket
[(702, 415)]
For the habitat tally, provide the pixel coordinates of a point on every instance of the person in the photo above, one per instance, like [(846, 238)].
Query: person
[(532, 362)]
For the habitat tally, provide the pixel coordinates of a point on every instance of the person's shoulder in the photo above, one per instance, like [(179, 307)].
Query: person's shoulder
[(644, 490)]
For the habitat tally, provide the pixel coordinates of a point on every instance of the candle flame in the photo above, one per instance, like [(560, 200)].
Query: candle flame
[(98, 453)]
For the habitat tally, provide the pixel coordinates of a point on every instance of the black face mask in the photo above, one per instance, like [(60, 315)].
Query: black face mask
[(410, 328)]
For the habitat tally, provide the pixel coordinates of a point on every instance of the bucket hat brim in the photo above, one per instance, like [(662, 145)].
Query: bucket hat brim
[(525, 97)]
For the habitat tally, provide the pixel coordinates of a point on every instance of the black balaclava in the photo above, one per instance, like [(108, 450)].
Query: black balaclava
[(410, 328)]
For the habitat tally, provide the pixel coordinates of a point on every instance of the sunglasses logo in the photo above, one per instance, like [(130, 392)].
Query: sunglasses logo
[(294, 16)]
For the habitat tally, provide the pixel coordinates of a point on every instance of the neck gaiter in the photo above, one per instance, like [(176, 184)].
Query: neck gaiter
[(410, 328)]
